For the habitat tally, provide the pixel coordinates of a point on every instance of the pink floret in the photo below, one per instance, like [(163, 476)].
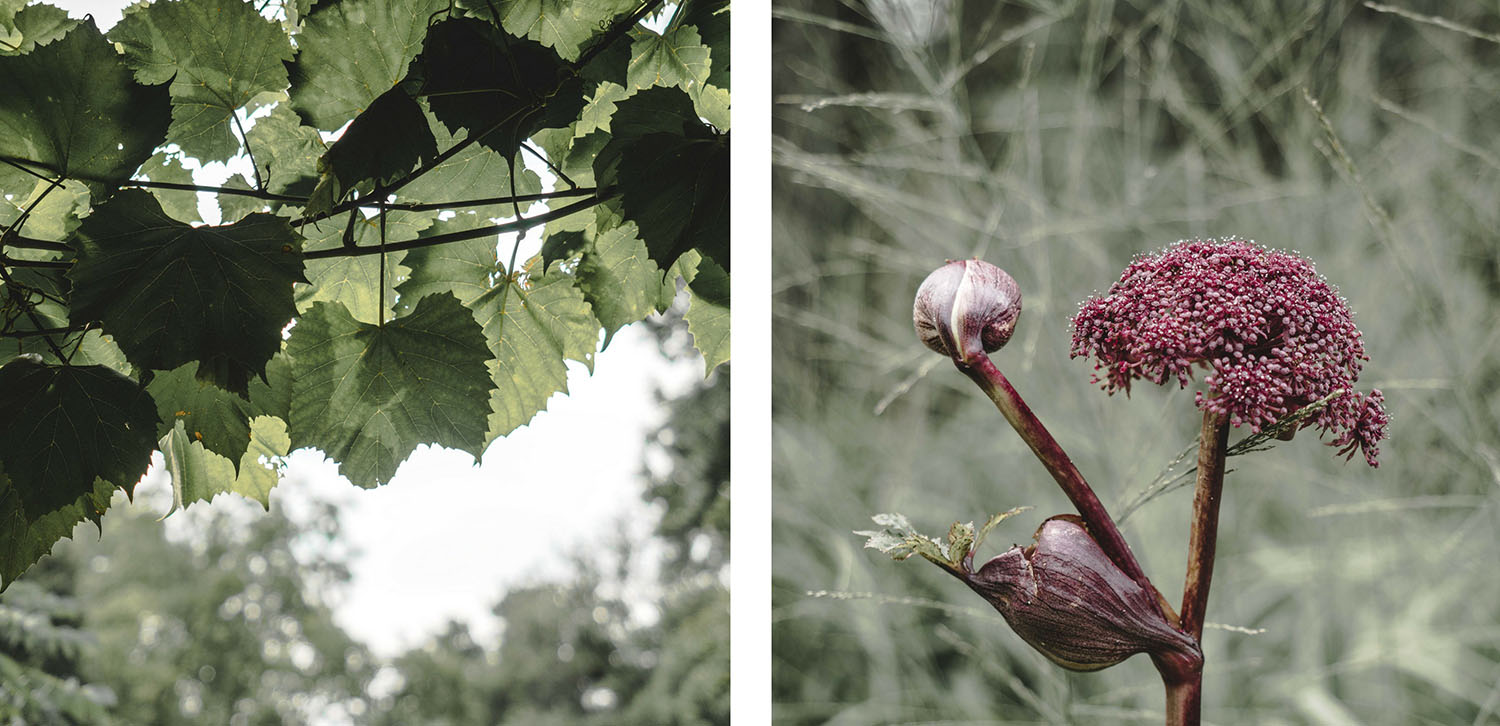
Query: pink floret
[(1273, 334)]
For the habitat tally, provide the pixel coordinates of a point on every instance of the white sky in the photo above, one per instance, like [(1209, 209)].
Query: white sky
[(446, 538)]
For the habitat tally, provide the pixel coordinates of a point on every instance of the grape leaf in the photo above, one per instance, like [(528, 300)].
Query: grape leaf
[(503, 88), (708, 313), (658, 110), (171, 293), (286, 151), (24, 540), (218, 54), (384, 142), (676, 189), (617, 278), (565, 25), (675, 58), (47, 92), (600, 107), (33, 26), (80, 422), (235, 207), (350, 52), (533, 325), (462, 268), (355, 282), (179, 204), (199, 475), (711, 19), (211, 415), (57, 213), (367, 395)]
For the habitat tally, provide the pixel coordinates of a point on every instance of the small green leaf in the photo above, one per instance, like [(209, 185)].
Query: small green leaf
[(533, 325), (286, 151), (960, 541), (708, 314), (199, 475), (355, 281), (368, 395), (675, 58), (218, 54), (179, 204), (617, 278), (476, 172), (80, 423), (171, 293), (235, 207), (211, 415), (49, 89), (36, 25), (599, 108), (992, 522), (711, 19), (564, 25)]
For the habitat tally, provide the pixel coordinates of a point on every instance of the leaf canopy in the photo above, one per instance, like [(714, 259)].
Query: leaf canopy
[(351, 293)]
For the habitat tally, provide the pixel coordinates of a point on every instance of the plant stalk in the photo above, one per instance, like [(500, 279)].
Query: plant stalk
[(994, 384), (1185, 685)]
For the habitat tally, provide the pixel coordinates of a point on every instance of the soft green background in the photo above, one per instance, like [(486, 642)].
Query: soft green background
[(1057, 140)]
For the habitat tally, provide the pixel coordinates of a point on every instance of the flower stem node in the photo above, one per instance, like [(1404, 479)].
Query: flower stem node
[(966, 308), (1067, 599)]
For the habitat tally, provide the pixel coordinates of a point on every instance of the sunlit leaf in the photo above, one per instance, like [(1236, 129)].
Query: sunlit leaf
[(368, 395)]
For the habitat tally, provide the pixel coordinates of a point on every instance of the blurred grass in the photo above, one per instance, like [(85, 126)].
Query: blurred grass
[(1058, 139)]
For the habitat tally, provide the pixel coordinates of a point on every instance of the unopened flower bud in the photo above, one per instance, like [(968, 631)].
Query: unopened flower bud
[(965, 307), (1067, 599)]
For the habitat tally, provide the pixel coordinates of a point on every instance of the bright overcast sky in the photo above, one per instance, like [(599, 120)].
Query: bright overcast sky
[(445, 538)]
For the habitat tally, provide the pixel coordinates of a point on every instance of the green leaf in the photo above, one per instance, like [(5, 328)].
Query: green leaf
[(355, 282), (217, 418), (350, 52), (960, 541), (478, 79), (675, 58), (900, 541), (35, 25), (26, 539), (171, 293), (368, 395), (617, 278), (599, 108), (711, 18), (461, 268), (286, 151), (992, 522), (658, 110), (235, 207), (199, 475), (181, 205), (218, 54), (532, 325), (564, 25), (708, 314), (57, 214), (79, 423), (47, 92), (676, 189), (384, 142)]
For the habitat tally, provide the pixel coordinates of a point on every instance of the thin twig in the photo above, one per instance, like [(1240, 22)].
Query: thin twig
[(615, 31), (555, 169), (248, 151)]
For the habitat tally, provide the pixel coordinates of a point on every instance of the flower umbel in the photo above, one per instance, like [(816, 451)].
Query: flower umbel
[(1274, 335)]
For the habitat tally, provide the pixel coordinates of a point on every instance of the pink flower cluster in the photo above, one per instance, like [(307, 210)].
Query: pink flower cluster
[(1274, 335)]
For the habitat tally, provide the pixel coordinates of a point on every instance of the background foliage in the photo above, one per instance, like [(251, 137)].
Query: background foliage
[(383, 138), (1058, 139)]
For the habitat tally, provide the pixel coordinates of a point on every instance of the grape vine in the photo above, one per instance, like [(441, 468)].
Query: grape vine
[(352, 296)]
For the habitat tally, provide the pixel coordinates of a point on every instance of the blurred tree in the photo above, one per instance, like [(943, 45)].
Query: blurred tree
[(41, 647), (233, 627)]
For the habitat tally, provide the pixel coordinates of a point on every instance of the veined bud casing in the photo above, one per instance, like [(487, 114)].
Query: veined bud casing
[(1066, 598), (966, 308)]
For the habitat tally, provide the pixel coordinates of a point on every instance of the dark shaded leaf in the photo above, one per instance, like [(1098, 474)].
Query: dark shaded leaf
[(80, 423), (211, 415), (171, 293), (385, 141), (25, 539), (676, 189), (478, 79)]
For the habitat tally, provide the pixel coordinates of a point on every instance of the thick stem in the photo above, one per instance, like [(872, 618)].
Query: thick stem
[(1046, 448), (1205, 528), (1185, 701)]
